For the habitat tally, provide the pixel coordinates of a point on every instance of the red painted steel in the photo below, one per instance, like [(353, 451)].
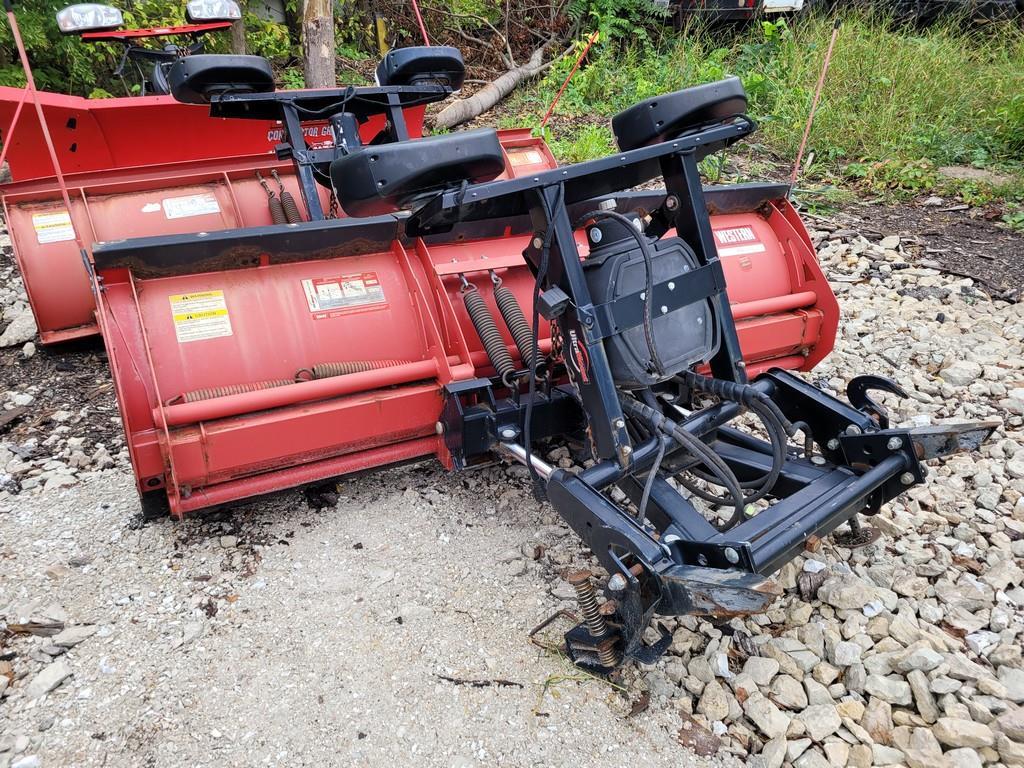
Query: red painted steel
[(137, 132), (124, 202), (226, 448), (263, 324)]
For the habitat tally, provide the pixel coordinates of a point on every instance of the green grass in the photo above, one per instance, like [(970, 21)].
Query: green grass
[(898, 103)]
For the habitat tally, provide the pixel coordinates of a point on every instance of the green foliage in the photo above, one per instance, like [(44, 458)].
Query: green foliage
[(1014, 219), (67, 64), (588, 143), (617, 19), (293, 78), (895, 175), (898, 103)]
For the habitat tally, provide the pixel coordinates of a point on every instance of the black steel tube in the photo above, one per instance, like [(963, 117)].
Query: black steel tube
[(604, 473), (778, 538)]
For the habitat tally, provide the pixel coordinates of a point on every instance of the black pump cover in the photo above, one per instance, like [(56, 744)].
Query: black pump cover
[(422, 65), (683, 336), (665, 117), (197, 79), (380, 179)]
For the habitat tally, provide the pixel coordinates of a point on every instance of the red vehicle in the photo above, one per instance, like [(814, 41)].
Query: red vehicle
[(461, 297)]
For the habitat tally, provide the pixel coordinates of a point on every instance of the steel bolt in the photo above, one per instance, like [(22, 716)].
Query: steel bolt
[(907, 479), (626, 450), (439, 428), (538, 243), (617, 582), (818, 460), (732, 555), (596, 234), (608, 205), (671, 202), (620, 423), (664, 309), (508, 433), (853, 429), (894, 444), (833, 444), (702, 560)]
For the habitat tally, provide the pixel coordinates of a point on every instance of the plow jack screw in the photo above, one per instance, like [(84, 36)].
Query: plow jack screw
[(595, 621)]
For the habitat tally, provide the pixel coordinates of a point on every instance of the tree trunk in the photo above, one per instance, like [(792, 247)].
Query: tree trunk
[(318, 43), (238, 34), (466, 109)]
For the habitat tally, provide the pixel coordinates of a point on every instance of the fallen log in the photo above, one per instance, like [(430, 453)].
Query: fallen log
[(466, 109)]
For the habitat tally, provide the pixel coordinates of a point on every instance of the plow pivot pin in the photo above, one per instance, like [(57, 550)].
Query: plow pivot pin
[(617, 582), (732, 555), (894, 444), (907, 479)]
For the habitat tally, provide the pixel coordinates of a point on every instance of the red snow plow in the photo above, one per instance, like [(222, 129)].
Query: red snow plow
[(460, 297)]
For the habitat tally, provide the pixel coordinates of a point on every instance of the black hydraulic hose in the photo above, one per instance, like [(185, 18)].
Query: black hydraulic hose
[(775, 423), (695, 446), (645, 251), (763, 484)]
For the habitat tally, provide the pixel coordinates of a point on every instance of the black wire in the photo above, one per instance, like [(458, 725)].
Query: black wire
[(645, 250), (542, 270), (646, 497)]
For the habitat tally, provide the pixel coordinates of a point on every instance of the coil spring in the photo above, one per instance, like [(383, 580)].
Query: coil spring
[(229, 389), (515, 320), (488, 332), (277, 214), (328, 370), (291, 208)]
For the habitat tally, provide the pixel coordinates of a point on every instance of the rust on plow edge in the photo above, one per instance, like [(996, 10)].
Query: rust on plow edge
[(725, 594)]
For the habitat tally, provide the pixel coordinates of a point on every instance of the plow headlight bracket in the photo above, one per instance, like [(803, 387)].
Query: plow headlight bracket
[(213, 10), (88, 17)]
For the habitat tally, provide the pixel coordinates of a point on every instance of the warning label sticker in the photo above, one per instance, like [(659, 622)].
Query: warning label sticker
[(199, 316), (190, 205), (333, 296), (53, 227), (525, 157), (737, 241)]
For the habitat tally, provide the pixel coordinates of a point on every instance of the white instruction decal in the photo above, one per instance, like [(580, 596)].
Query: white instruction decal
[(198, 316), (190, 205), (333, 296), (53, 227)]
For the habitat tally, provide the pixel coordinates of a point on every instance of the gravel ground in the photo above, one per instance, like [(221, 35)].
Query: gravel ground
[(392, 626)]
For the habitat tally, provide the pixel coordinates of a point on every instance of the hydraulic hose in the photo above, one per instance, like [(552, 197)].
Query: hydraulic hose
[(661, 423), (775, 424)]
